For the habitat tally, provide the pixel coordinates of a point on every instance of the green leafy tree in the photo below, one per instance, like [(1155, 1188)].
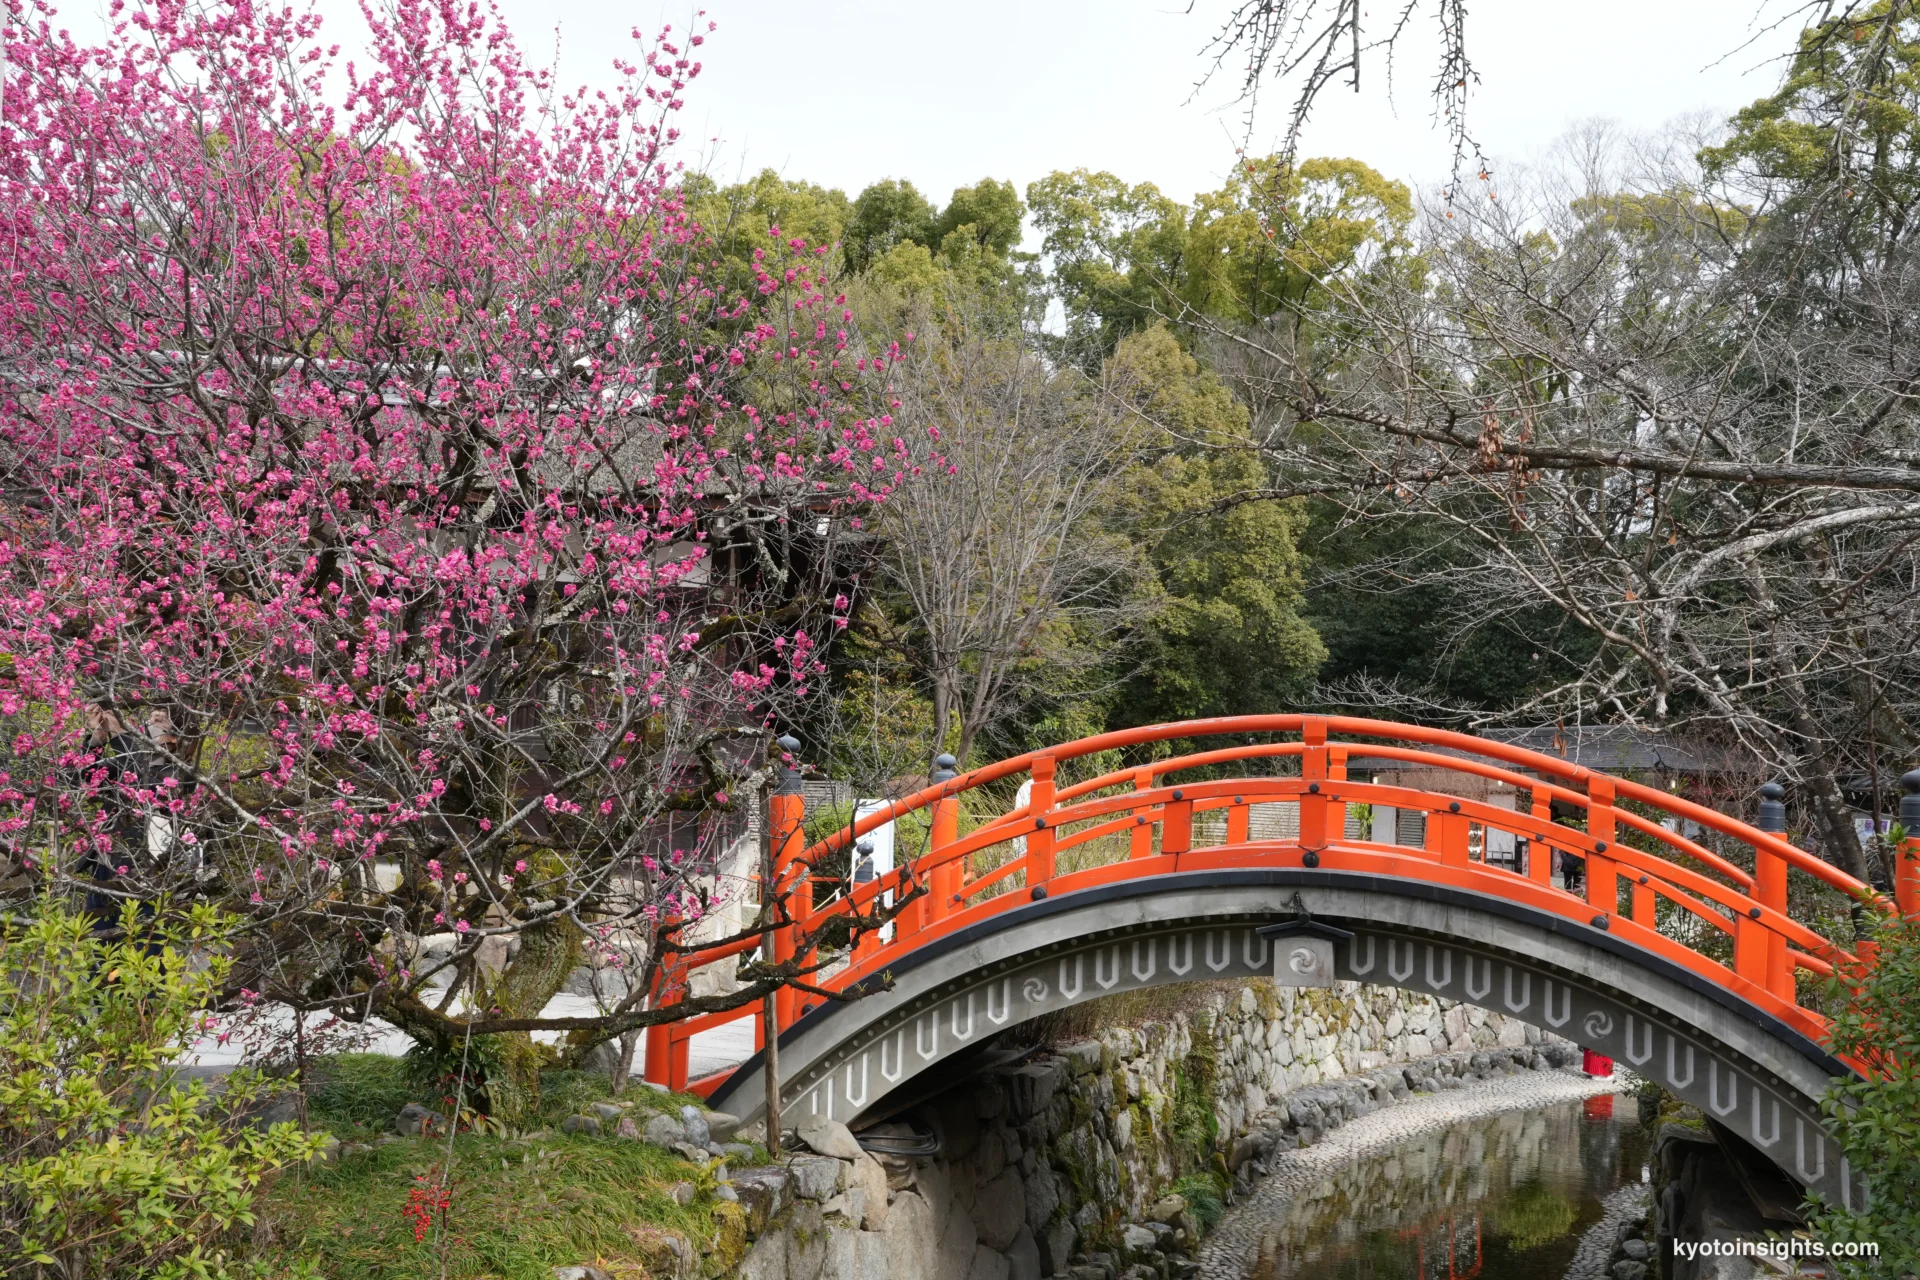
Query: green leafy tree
[(1837, 146), (1877, 1120), (887, 214), (1266, 241), (1123, 255), (988, 213), (1394, 607), (746, 216), (1227, 637), (1113, 249), (111, 1166)]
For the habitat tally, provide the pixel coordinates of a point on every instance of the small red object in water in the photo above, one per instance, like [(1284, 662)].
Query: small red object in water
[(1596, 1065), (1599, 1107)]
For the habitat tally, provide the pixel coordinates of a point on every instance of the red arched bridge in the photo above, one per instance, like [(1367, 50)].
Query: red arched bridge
[(1672, 949)]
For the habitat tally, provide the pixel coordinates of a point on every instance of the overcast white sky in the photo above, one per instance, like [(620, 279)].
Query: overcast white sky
[(843, 92)]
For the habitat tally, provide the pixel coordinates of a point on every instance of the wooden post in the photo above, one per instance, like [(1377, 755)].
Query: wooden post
[(659, 1068), (1603, 880), (770, 1030), (1447, 836), (786, 815), (1313, 769), (1770, 887), (1040, 835), (943, 881), (1176, 824), (1906, 860)]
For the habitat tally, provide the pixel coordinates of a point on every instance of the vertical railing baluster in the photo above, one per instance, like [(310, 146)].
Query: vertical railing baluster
[(1447, 836), (1750, 948), (1140, 839), (1645, 906), (1176, 824), (1237, 821), (1540, 852), (1337, 772)]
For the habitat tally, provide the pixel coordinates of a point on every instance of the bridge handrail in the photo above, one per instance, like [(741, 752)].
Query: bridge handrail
[(1385, 730)]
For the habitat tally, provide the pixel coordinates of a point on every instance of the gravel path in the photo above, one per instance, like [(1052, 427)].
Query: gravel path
[(1234, 1246)]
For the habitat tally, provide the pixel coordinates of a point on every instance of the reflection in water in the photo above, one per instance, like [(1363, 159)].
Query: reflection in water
[(1502, 1197)]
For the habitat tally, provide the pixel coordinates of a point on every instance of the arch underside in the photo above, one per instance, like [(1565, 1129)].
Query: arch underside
[(1748, 1070)]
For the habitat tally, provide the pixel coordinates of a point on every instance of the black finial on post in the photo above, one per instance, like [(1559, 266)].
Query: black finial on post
[(1910, 802), (1773, 808), (943, 768), (789, 767)]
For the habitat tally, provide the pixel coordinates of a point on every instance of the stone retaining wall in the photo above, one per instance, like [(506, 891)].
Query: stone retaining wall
[(1062, 1163)]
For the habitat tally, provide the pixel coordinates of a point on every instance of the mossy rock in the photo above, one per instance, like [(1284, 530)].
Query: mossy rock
[(729, 1247)]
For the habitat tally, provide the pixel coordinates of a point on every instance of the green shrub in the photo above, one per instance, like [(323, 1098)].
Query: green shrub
[(1877, 1121), (110, 1164)]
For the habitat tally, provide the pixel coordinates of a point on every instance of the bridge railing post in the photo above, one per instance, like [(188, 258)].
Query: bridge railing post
[(666, 990), (1040, 838), (1603, 877), (1906, 859), (943, 881), (1313, 771), (786, 821), (1140, 838), (1770, 886)]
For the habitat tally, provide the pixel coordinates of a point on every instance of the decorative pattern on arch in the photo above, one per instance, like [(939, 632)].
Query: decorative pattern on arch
[(1761, 1081)]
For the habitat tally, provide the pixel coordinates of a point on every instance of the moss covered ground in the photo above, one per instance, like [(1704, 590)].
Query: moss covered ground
[(500, 1206)]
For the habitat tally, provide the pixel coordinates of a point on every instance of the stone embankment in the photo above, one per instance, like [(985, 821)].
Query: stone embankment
[(1718, 1195), (1107, 1158)]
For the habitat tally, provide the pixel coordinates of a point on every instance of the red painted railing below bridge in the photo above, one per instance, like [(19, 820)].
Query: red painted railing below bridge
[(1647, 879)]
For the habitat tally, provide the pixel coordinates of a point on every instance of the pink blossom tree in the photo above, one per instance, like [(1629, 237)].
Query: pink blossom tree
[(406, 510)]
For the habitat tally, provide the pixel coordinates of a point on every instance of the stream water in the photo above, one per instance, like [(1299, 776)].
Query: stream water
[(1501, 1197)]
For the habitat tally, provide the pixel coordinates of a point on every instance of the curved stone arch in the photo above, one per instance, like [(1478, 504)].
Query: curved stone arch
[(1751, 1072)]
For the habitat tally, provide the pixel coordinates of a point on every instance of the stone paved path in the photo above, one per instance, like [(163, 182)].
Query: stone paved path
[(1230, 1252)]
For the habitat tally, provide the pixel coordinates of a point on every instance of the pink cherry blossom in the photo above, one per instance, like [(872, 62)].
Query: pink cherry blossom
[(394, 428)]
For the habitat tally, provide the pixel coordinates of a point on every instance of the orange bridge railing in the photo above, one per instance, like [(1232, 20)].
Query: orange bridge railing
[(1647, 879)]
